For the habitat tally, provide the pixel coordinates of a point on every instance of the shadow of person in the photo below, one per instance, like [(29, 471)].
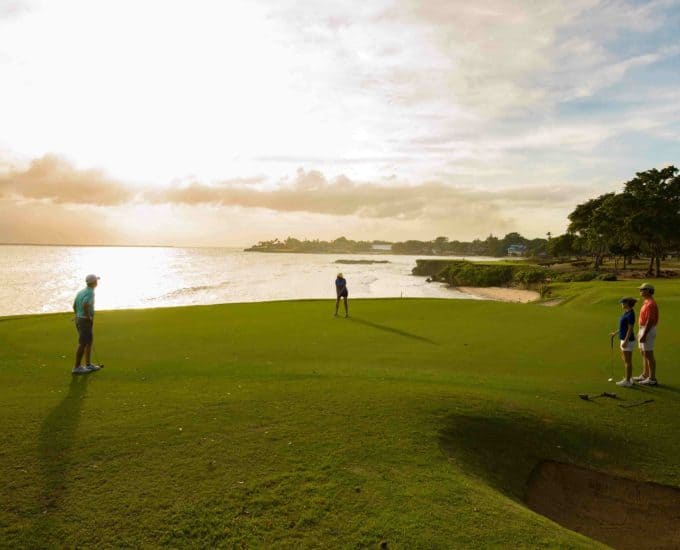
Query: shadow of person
[(393, 330), (55, 442)]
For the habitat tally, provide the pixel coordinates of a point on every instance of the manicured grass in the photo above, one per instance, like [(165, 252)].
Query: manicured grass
[(415, 422)]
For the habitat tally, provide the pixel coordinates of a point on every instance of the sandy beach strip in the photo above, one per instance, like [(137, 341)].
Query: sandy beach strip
[(501, 294)]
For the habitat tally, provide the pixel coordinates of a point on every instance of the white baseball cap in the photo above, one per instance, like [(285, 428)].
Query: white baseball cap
[(91, 278)]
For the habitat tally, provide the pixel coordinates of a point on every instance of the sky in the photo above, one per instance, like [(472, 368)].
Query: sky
[(211, 123)]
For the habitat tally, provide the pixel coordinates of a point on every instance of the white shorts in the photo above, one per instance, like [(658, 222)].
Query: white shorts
[(648, 344), (627, 345)]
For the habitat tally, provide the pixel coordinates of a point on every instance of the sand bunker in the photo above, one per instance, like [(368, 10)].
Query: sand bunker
[(501, 294), (620, 512)]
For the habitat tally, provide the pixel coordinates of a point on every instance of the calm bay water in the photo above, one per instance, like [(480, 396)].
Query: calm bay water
[(39, 279)]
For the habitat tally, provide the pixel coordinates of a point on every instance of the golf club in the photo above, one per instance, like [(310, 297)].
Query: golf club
[(587, 397), (637, 403), (611, 358)]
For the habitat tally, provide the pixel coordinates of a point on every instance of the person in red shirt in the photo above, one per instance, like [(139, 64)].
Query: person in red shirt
[(649, 319)]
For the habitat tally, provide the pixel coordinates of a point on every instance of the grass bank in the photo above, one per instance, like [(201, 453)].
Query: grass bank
[(415, 422)]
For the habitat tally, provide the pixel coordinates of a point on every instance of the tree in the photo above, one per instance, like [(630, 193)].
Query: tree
[(439, 245), (613, 217), (493, 246), (592, 223), (562, 245), (656, 217)]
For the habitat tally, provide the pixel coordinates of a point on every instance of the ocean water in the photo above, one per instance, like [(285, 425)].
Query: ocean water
[(39, 279)]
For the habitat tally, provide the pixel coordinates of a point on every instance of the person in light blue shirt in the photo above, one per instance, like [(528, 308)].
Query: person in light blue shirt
[(341, 292), (83, 307)]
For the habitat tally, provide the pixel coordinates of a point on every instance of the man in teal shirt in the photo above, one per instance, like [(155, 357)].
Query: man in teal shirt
[(83, 307)]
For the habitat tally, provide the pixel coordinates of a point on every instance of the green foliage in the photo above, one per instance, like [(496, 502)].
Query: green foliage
[(470, 274), (530, 276), (291, 244), (491, 246), (645, 216), (578, 276), (562, 245), (412, 247), (585, 276), (607, 277), (434, 268)]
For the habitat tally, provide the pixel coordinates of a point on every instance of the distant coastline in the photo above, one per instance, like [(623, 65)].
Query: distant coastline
[(513, 244)]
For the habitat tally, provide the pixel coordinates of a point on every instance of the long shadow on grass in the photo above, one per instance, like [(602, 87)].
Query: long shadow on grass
[(393, 330), (504, 449), (663, 388), (56, 439)]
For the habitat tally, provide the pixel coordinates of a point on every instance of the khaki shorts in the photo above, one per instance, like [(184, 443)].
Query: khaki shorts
[(648, 344), (627, 345)]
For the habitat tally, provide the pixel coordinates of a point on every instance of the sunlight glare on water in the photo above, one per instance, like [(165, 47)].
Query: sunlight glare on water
[(37, 279)]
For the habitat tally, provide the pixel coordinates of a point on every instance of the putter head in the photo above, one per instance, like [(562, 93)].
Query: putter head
[(584, 396)]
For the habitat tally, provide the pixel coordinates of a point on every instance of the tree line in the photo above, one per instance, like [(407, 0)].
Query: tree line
[(440, 246), (643, 219)]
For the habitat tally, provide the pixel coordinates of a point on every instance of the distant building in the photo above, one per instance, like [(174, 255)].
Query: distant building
[(517, 250)]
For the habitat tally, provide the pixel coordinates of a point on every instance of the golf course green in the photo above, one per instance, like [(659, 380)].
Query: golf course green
[(413, 424)]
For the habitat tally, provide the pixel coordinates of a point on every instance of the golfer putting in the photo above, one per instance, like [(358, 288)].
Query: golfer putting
[(83, 307), (341, 292)]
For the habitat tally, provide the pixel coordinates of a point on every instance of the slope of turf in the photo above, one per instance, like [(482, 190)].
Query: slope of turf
[(415, 422)]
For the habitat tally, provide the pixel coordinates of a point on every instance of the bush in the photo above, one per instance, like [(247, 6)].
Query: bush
[(434, 268), (468, 274), (583, 276), (528, 276), (607, 277)]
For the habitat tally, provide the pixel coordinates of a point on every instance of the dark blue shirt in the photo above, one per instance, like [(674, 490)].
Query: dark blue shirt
[(340, 286), (628, 318)]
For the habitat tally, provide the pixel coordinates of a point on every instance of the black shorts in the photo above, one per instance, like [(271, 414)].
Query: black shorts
[(343, 294), (84, 327)]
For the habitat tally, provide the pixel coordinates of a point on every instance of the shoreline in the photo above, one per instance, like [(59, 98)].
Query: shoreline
[(500, 294)]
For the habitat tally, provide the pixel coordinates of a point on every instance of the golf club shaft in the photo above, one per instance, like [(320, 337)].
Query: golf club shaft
[(629, 405)]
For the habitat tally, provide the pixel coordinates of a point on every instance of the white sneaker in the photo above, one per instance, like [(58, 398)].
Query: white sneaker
[(639, 378), (625, 383), (80, 370), (648, 382), (92, 368)]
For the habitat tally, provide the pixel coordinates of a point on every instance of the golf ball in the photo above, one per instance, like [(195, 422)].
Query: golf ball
[(610, 380)]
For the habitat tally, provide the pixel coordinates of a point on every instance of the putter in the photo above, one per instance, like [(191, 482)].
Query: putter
[(587, 397), (637, 403), (611, 358)]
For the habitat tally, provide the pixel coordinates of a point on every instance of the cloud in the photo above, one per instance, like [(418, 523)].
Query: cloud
[(312, 192), (51, 179), (38, 222), (55, 179)]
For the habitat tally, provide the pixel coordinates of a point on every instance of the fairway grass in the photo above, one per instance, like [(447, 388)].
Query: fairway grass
[(415, 422)]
